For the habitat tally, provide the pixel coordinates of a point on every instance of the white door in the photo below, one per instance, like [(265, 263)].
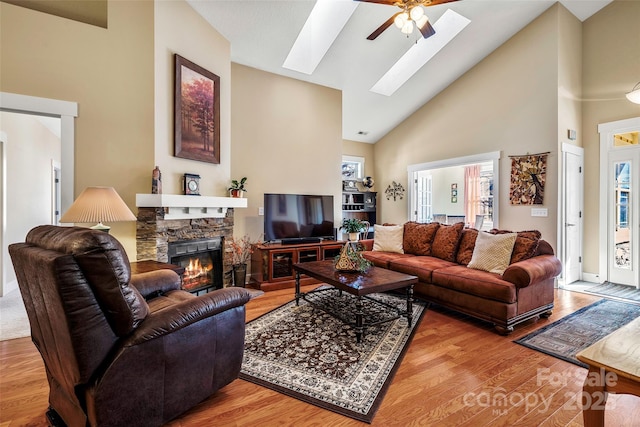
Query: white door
[(623, 206), (572, 202), (423, 198)]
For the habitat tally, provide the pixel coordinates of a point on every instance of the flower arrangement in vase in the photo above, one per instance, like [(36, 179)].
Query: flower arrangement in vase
[(241, 250)]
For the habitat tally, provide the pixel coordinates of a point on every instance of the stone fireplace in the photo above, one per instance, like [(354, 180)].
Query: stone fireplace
[(165, 221)]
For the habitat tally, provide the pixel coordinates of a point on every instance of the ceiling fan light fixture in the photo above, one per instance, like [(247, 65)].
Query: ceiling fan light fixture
[(416, 13), (634, 95), (408, 28), (401, 20)]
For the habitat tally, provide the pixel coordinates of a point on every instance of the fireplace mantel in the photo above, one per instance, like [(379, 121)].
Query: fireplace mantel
[(178, 206)]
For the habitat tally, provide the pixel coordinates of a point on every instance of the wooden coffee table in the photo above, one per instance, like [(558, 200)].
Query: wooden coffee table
[(359, 285)]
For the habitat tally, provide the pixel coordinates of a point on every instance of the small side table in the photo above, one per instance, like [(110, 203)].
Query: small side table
[(149, 265)]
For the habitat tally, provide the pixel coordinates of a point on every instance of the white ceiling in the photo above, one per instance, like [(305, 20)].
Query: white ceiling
[(261, 33)]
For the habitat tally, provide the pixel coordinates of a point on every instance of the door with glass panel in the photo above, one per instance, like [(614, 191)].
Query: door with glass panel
[(624, 210), (423, 211)]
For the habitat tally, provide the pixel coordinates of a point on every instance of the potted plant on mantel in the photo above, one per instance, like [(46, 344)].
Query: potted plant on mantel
[(353, 227), (237, 188)]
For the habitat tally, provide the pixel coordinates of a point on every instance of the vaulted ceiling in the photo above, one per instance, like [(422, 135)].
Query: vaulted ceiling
[(262, 33)]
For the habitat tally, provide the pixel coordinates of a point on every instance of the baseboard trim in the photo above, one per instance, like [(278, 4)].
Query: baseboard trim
[(591, 277)]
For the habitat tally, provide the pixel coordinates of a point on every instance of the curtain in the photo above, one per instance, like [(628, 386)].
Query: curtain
[(471, 193)]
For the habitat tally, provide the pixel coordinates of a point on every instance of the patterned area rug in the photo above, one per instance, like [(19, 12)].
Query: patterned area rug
[(566, 337), (303, 352), (612, 290)]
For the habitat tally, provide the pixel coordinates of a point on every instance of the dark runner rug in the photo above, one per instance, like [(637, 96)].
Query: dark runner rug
[(613, 290), (566, 337), (307, 354)]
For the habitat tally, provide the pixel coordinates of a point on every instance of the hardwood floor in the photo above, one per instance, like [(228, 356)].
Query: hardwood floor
[(457, 372)]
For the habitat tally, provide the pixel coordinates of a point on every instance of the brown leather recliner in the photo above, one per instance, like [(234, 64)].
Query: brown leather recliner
[(120, 349)]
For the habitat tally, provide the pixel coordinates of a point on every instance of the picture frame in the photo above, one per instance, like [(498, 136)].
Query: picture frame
[(454, 199), (454, 193), (196, 112), (454, 186)]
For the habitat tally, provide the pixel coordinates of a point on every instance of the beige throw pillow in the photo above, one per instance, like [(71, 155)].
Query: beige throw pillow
[(492, 252), (388, 238)]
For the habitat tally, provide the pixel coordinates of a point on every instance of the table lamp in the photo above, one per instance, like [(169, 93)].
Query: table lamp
[(98, 204)]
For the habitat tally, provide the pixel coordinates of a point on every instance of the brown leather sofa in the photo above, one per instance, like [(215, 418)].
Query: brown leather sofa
[(438, 255), (122, 350)]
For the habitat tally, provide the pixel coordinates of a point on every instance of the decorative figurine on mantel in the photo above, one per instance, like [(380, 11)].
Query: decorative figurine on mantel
[(156, 181)]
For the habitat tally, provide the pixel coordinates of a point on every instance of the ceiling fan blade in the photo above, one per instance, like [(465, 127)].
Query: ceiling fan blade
[(382, 27), (389, 2), (433, 2), (427, 30)]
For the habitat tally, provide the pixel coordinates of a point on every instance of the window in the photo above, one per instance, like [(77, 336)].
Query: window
[(352, 168)]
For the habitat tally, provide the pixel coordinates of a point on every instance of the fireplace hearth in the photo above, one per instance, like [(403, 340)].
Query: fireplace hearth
[(201, 260)]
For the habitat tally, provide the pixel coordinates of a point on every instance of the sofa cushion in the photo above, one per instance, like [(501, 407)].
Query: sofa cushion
[(492, 252), (421, 266), (382, 259), (418, 238), (467, 243), (388, 238), (526, 244), (446, 241), (475, 282)]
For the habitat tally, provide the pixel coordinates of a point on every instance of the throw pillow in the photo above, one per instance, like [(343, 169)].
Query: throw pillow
[(388, 238), (526, 244), (418, 238), (445, 243), (467, 244), (492, 252)]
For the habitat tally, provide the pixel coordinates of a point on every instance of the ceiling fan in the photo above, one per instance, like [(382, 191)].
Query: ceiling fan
[(412, 14)]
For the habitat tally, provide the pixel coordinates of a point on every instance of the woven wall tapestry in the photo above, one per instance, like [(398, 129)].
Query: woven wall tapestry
[(528, 177)]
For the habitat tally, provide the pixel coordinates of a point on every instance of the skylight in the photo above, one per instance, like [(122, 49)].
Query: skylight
[(323, 25), (447, 27)]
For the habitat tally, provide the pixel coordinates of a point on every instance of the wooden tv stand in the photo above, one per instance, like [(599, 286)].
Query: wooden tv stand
[(272, 263)]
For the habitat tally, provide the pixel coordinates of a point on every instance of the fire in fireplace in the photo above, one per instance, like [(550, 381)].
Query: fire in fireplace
[(202, 262)]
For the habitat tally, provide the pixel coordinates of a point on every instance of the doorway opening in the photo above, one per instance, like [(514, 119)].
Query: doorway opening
[(64, 113), (460, 189)]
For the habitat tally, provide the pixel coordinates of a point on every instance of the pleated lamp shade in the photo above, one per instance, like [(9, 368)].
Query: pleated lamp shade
[(98, 204)]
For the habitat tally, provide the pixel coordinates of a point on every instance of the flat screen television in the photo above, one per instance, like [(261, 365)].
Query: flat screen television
[(298, 218)]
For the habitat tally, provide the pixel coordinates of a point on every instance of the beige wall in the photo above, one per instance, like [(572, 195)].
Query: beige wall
[(109, 73), (611, 67), (286, 138), (507, 103), (179, 29), (569, 77)]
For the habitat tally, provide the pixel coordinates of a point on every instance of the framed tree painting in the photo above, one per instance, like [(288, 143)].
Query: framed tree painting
[(197, 112)]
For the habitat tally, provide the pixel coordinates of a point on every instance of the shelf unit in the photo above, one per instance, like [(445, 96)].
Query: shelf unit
[(361, 205), (272, 264)]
